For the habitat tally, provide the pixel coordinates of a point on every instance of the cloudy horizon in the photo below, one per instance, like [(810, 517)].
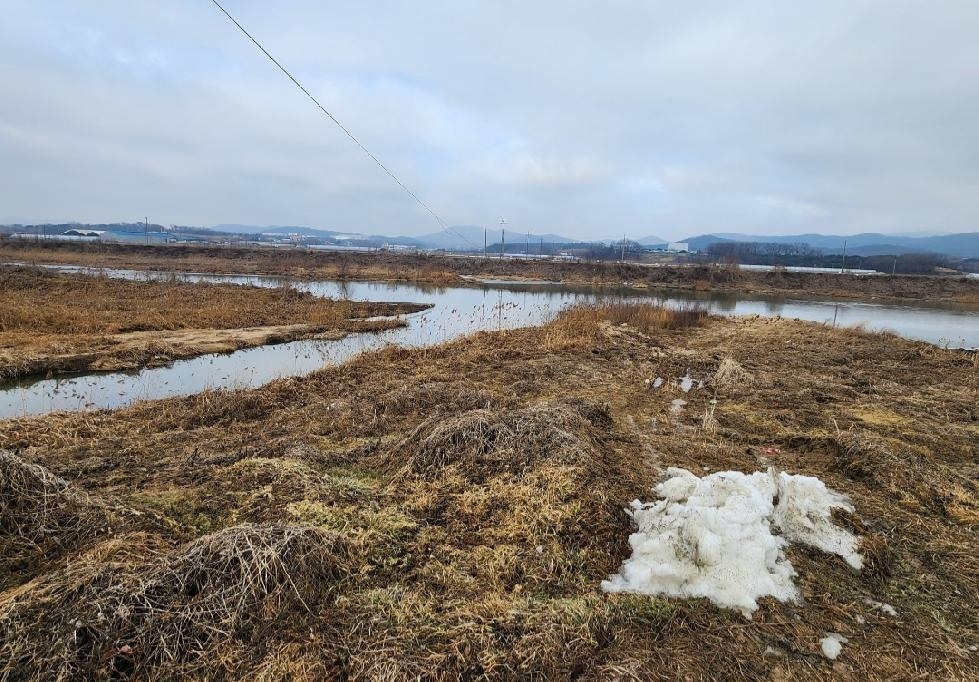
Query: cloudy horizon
[(574, 118)]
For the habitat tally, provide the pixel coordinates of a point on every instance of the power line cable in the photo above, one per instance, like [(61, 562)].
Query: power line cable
[(340, 125)]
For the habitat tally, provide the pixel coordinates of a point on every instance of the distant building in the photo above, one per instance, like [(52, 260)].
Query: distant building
[(678, 247)]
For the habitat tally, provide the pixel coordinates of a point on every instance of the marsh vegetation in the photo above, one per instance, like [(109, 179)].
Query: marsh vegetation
[(450, 512)]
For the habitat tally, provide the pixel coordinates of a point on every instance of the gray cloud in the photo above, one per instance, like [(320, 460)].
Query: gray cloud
[(590, 119)]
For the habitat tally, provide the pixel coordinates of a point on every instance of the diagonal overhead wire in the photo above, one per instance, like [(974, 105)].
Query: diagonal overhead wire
[(339, 124)]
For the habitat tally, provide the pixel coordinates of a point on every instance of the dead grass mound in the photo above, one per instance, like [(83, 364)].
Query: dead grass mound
[(518, 499), (43, 516), (200, 611), (481, 443)]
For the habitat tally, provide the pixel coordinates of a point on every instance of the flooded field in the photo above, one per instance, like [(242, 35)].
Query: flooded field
[(486, 306)]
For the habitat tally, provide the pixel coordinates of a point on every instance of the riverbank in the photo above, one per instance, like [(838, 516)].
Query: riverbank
[(451, 511), (53, 322), (449, 270)]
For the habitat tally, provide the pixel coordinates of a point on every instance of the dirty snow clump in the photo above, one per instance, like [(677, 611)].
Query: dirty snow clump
[(832, 645), (713, 536)]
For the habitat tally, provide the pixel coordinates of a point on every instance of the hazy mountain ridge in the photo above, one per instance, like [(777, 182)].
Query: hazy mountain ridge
[(471, 238), (963, 245)]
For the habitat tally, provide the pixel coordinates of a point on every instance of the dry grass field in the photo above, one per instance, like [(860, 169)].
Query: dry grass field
[(54, 322), (449, 513)]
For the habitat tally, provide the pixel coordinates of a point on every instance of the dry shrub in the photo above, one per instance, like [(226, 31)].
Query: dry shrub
[(190, 613), (586, 325), (649, 317), (43, 516)]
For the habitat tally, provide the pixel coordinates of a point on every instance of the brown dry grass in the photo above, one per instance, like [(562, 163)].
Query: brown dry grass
[(51, 322), (468, 500)]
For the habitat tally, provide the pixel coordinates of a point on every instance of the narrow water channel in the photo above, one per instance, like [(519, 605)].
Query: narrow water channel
[(457, 311)]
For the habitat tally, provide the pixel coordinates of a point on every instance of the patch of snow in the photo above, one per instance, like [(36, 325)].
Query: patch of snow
[(658, 382), (886, 609), (832, 644), (713, 537), (676, 406), (803, 514), (686, 383)]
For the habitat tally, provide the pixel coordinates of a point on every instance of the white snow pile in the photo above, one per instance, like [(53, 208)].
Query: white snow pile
[(832, 645), (715, 536)]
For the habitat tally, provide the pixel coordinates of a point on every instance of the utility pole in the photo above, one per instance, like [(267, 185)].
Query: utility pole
[(894, 268), (146, 230), (502, 242), (541, 247), (623, 248), (484, 242), (528, 243), (843, 266)]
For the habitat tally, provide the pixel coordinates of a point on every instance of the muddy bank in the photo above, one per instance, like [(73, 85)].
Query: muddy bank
[(450, 512), (53, 323), (454, 270)]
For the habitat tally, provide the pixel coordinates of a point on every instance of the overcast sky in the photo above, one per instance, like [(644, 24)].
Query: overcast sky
[(590, 119)]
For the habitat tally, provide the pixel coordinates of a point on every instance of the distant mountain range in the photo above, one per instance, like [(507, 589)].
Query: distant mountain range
[(454, 238), (471, 238), (327, 235), (964, 245)]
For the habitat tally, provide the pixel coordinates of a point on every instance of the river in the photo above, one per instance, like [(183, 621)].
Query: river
[(457, 311)]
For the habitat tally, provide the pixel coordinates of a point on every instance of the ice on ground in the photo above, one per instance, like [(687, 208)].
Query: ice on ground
[(658, 382), (686, 383), (676, 406), (715, 537), (832, 644)]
